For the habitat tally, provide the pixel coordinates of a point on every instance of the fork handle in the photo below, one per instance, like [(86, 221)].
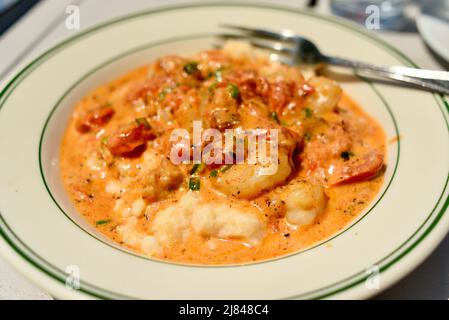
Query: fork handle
[(429, 79)]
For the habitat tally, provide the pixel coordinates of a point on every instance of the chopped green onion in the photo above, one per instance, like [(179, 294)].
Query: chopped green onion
[(213, 173), (234, 90), (101, 222), (346, 155), (194, 184), (308, 112), (163, 93), (197, 168), (191, 67), (213, 86), (143, 121), (275, 117), (225, 168)]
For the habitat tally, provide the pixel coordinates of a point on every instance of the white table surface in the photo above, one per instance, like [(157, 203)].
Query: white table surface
[(44, 26)]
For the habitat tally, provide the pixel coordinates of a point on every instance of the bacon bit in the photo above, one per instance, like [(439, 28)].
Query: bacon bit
[(358, 169), (255, 86), (249, 83), (280, 95), (283, 93), (139, 92), (277, 94), (326, 147), (95, 118), (149, 87), (130, 138)]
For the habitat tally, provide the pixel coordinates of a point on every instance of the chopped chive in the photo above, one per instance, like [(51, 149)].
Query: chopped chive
[(104, 140), (197, 168), (213, 173), (101, 222), (275, 117), (213, 86), (346, 155), (163, 93), (234, 90), (225, 168), (191, 67), (308, 112), (194, 184), (143, 121)]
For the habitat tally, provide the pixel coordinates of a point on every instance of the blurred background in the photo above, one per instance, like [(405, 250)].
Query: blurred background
[(12, 10), (398, 15), (427, 18)]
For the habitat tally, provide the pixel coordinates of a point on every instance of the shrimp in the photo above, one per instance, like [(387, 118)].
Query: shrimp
[(358, 169), (325, 96), (222, 109), (249, 180), (327, 145), (304, 201), (161, 181), (95, 118)]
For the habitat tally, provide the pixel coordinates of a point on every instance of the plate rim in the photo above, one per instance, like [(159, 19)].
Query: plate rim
[(53, 50)]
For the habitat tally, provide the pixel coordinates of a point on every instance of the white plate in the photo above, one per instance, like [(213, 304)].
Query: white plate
[(435, 33), (43, 236)]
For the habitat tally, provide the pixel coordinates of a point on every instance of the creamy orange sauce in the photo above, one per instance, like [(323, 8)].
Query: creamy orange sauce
[(87, 167)]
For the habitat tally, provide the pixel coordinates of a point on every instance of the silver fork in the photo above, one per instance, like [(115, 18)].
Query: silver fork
[(293, 50)]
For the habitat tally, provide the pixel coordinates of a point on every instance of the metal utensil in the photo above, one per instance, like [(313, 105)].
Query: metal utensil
[(292, 49)]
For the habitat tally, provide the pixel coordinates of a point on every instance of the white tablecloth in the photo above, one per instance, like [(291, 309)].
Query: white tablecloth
[(44, 26)]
